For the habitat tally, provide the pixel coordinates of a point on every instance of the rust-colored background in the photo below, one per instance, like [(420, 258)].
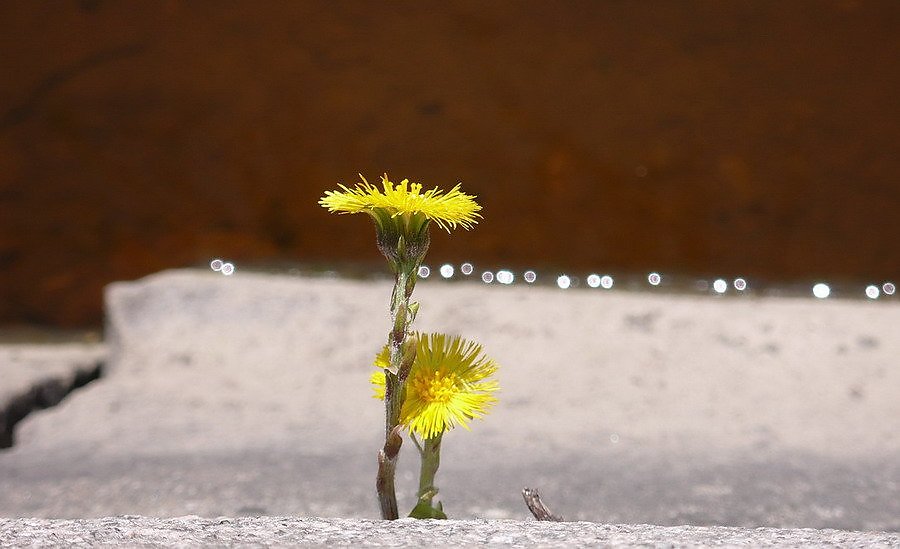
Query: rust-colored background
[(759, 138)]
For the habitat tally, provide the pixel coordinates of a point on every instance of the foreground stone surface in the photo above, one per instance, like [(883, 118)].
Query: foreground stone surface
[(249, 395), (191, 530)]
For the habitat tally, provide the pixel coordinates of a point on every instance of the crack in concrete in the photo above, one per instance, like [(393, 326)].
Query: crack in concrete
[(43, 394)]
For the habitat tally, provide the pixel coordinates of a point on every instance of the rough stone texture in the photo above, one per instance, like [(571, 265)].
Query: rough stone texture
[(190, 530), (33, 377), (755, 138), (248, 395)]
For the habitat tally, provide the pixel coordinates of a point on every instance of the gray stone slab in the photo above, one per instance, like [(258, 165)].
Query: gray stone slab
[(249, 395), (134, 531)]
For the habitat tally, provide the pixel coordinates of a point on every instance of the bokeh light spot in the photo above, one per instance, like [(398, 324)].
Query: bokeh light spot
[(821, 290)]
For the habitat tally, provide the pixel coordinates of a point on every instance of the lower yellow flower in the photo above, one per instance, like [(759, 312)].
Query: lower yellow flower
[(447, 385)]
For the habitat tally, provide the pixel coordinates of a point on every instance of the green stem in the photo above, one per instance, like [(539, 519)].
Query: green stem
[(431, 460), (395, 389)]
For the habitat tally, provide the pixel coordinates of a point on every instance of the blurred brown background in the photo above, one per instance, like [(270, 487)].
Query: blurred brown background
[(758, 138)]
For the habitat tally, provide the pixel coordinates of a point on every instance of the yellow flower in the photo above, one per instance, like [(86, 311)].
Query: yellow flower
[(406, 200), (447, 384)]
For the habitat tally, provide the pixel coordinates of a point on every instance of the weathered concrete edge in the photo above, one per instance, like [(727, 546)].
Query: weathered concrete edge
[(138, 530)]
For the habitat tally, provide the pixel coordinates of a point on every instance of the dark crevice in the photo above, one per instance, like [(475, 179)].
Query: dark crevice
[(44, 394)]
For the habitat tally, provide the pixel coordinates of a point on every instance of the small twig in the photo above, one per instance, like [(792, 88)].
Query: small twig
[(537, 507)]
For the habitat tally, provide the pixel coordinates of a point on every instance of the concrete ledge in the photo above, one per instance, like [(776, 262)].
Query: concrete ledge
[(190, 530), (744, 373), (249, 395)]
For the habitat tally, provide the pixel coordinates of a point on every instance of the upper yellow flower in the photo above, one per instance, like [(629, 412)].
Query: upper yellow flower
[(446, 209), (447, 385)]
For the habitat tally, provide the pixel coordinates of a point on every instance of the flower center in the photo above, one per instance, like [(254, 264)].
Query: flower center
[(439, 388)]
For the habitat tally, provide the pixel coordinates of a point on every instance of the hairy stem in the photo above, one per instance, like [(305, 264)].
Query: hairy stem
[(395, 390), (387, 467)]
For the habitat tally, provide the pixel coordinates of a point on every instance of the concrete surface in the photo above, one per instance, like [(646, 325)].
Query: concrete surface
[(249, 395), (265, 531)]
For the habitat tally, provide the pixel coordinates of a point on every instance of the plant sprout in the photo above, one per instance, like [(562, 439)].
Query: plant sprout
[(429, 383)]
